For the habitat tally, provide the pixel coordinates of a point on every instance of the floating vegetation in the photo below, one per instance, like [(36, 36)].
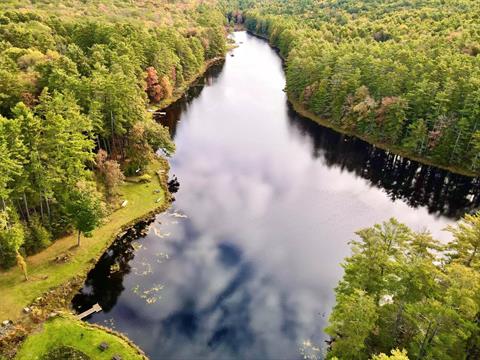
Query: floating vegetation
[(147, 269), (137, 246), (178, 215), (161, 257), (151, 295), (110, 323), (114, 268), (159, 233), (309, 351)]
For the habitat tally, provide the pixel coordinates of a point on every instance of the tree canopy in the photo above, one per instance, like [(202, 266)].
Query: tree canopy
[(404, 290), (76, 80)]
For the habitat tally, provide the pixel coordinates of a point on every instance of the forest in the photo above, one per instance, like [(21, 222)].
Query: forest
[(80, 82), (405, 292), (403, 74), (76, 82)]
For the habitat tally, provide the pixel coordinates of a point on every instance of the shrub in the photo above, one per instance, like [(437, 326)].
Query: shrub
[(11, 238), (38, 237)]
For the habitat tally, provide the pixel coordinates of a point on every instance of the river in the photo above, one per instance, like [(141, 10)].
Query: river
[(244, 264)]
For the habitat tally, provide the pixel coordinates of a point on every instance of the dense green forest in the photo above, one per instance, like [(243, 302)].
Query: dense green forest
[(76, 80), (404, 74), (404, 290)]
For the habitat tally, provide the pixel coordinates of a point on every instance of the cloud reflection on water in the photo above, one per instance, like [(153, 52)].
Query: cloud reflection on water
[(250, 273)]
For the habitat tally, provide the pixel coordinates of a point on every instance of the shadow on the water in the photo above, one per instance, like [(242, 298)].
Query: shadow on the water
[(441, 192), (104, 282), (172, 113)]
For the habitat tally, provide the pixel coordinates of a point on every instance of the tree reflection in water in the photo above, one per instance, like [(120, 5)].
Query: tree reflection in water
[(440, 191), (104, 282)]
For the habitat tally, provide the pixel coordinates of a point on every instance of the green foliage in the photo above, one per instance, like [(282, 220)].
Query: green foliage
[(351, 322), (395, 355), (465, 248), (72, 83), (37, 237), (402, 289), (85, 209), (11, 238), (144, 140), (418, 61)]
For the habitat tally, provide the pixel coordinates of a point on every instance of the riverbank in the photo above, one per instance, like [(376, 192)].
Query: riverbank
[(46, 272), (177, 95), (59, 271), (300, 109)]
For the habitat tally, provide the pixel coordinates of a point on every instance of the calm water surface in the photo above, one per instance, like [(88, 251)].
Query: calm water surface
[(244, 264)]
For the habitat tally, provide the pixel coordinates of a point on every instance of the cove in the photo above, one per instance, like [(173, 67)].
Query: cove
[(244, 264)]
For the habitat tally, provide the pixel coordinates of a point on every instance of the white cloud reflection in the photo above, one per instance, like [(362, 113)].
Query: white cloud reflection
[(250, 273)]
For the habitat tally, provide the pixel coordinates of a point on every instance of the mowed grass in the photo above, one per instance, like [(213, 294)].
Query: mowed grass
[(45, 274), (67, 331)]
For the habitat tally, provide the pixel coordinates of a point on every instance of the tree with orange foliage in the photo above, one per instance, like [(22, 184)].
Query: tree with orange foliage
[(157, 88)]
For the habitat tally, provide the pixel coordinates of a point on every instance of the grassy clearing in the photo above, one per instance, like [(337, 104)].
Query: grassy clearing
[(67, 331), (46, 274)]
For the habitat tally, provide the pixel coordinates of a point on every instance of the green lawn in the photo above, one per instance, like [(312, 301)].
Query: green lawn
[(46, 274), (67, 331)]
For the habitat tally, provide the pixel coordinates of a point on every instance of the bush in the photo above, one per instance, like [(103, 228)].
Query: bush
[(11, 239), (38, 237)]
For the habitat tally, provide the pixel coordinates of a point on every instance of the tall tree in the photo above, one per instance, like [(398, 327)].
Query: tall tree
[(85, 209)]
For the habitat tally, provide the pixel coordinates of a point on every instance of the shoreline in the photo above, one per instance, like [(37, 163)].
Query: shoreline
[(36, 344), (53, 298), (162, 105), (304, 112)]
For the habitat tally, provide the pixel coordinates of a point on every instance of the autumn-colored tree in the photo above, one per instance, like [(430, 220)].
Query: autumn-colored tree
[(153, 88), (22, 264), (110, 172)]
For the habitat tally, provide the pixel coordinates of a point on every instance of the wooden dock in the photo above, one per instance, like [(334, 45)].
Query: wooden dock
[(94, 309)]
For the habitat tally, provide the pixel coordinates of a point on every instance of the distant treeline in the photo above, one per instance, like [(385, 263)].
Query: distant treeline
[(75, 82)]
